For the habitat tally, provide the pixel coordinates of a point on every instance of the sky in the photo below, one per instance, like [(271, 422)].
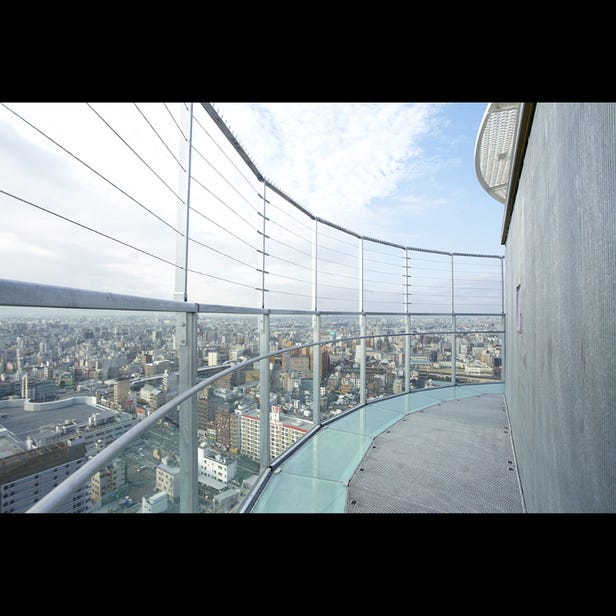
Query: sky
[(402, 172), (405, 170)]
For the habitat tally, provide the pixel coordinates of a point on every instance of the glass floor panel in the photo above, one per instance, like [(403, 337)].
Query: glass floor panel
[(315, 478), (287, 493), (330, 454)]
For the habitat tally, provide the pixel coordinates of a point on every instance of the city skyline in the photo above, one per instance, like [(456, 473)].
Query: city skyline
[(88, 380)]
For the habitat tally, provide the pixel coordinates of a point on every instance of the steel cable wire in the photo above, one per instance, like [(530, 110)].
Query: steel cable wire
[(100, 175), (175, 121), (158, 135), (222, 201), (118, 241), (226, 180), (134, 152)]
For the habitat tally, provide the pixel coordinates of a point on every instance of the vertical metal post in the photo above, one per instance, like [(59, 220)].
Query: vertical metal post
[(184, 180), (407, 327), (263, 246), (502, 285), (454, 358), (453, 323), (189, 479), (264, 391), (361, 275), (407, 362), (186, 332), (362, 326), (316, 332), (315, 223), (316, 369), (503, 325), (264, 364)]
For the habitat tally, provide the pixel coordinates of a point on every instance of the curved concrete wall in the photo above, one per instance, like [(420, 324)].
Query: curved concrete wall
[(560, 368)]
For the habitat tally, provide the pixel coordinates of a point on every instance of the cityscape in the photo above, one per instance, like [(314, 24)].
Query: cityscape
[(181, 333), (71, 382)]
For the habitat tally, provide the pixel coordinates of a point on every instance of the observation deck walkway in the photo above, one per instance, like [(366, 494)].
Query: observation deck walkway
[(454, 457), (440, 450)]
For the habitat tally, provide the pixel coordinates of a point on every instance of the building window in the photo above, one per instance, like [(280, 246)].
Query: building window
[(518, 308)]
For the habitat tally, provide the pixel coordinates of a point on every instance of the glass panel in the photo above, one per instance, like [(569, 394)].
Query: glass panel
[(342, 380), (477, 284), (289, 255), (338, 270), (384, 277), (430, 282), (480, 348), (330, 454), (485, 388), (144, 477), (430, 361), (287, 493), (292, 370), (226, 202), (73, 382), (371, 420), (385, 354), (312, 480), (112, 215), (228, 410), (229, 439)]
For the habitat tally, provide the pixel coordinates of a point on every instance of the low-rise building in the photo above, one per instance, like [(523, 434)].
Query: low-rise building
[(168, 481), (215, 466), (157, 503)]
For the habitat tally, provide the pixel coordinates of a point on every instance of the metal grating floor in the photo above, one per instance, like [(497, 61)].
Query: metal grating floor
[(454, 457)]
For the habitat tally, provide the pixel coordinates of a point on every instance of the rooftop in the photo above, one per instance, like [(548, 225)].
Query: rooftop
[(22, 423)]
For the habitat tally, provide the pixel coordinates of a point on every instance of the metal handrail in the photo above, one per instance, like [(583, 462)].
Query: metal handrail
[(28, 294)]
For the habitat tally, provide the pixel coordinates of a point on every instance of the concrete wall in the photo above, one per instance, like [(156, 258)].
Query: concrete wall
[(561, 369)]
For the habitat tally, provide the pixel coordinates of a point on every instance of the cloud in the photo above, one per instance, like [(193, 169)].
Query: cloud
[(335, 158), (11, 244)]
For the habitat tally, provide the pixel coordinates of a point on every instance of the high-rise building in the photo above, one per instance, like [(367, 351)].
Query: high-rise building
[(170, 382), (227, 427), (121, 389), (25, 393)]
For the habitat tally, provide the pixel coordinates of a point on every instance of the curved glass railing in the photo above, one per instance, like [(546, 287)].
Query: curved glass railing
[(314, 479), (388, 319), (142, 469)]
